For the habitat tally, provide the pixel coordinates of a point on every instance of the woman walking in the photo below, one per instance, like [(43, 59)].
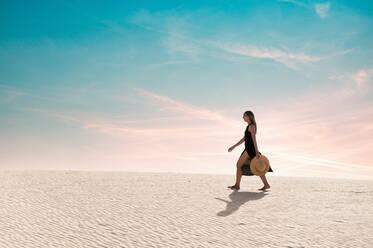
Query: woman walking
[(251, 150)]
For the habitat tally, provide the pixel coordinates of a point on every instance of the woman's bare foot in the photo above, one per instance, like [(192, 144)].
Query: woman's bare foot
[(265, 187), (234, 187)]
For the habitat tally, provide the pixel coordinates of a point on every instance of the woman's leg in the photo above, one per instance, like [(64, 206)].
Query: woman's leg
[(241, 161), (266, 184)]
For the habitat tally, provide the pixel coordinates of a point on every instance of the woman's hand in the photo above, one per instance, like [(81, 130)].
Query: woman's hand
[(230, 148), (257, 156)]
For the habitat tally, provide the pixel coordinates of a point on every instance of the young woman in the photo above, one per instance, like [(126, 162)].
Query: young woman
[(251, 150)]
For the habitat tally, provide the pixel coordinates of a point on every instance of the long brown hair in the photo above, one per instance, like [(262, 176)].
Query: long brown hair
[(251, 116)]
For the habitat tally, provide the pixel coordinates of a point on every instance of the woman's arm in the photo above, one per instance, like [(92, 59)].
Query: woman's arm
[(239, 142), (252, 131)]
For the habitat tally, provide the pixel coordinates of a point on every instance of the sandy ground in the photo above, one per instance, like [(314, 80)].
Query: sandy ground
[(127, 209)]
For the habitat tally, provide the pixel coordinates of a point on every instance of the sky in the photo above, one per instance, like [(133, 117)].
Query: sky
[(161, 86)]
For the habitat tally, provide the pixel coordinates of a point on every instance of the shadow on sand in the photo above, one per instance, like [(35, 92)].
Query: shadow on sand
[(237, 200)]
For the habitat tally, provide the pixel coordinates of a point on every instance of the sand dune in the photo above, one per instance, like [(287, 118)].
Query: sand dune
[(127, 209)]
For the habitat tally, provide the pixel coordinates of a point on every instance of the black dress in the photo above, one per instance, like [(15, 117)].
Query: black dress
[(250, 148)]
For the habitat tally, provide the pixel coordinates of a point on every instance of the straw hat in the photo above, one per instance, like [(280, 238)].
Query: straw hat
[(259, 166)]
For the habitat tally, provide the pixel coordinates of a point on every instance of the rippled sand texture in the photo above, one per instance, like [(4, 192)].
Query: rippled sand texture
[(127, 209)]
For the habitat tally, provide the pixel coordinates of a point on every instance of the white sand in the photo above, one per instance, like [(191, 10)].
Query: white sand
[(127, 209)]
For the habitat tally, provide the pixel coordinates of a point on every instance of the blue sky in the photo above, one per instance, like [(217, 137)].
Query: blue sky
[(162, 85)]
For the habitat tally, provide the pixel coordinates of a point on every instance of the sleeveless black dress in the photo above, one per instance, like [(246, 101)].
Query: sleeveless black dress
[(249, 143), (250, 148)]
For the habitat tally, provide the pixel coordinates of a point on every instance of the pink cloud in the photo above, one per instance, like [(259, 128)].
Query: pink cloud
[(194, 112), (320, 129), (322, 124), (357, 83), (308, 130)]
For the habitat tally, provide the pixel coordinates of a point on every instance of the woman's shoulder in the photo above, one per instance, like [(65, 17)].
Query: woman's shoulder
[(251, 127)]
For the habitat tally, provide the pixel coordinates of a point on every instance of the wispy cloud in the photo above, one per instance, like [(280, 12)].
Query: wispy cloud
[(9, 94), (183, 120), (323, 124), (175, 43), (322, 9), (195, 112), (288, 59), (115, 27), (360, 82), (177, 39), (167, 63), (363, 79), (174, 28), (64, 116), (294, 2)]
